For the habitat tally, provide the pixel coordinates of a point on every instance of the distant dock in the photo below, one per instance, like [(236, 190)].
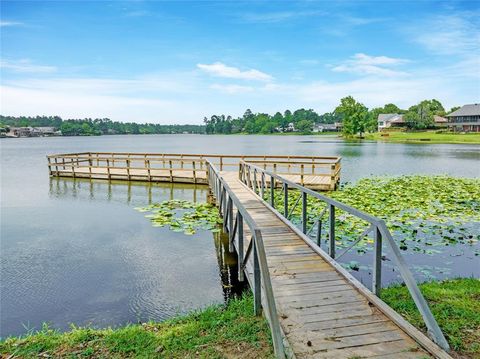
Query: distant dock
[(315, 172)]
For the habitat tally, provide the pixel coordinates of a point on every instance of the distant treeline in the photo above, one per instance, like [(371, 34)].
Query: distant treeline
[(98, 126), (355, 118), (302, 121)]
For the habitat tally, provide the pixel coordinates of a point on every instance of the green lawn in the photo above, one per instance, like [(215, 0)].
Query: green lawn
[(425, 137), (455, 304), (217, 332)]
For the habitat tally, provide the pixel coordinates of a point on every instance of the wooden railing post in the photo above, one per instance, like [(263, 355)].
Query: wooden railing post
[(240, 247), (272, 191), (319, 233), (262, 185), (332, 231), (194, 172), (377, 262), (257, 286), (285, 200), (254, 180), (304, 212), (148, 170)]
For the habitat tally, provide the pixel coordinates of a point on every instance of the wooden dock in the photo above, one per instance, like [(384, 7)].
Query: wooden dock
[(315, 308), (315, 172), (324, 312)]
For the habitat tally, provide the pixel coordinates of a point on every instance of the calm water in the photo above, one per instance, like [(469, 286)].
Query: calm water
[(77, 252)]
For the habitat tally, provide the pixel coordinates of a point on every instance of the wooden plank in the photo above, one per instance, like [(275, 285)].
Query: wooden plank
[(397, 348)]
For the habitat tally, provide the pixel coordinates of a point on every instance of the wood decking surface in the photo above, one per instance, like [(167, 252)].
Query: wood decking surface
[(321, 313)]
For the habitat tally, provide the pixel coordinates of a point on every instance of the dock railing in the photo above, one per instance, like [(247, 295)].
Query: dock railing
[(255, 251), (265, 183), (166, 166)]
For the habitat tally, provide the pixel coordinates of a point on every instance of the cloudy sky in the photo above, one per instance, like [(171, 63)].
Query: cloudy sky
[(176, 62)]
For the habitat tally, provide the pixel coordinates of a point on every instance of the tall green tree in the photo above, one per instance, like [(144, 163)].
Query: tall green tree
[(354, 116)]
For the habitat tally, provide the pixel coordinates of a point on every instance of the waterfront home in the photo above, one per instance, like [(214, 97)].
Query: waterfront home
[(32, 132), (465, 119), (325, 127), (387, 120), (439, 121)]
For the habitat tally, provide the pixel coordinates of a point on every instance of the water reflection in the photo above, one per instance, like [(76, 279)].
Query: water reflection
[(124, 192), (133, 193), (91, 259)]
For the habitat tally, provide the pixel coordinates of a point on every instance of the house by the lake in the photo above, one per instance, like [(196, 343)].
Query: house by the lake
[(32, 132), (327, 127), (465, 119), (387, 120)]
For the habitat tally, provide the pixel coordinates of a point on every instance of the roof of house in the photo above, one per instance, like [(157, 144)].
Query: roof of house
[(467, 110), (390, 117), (439, 119)]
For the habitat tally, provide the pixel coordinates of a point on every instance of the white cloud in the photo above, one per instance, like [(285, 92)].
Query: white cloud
[(26, 65), (232, 88), (363, 64), (279, 16), (219, 69), (5, 23), (454, 34)]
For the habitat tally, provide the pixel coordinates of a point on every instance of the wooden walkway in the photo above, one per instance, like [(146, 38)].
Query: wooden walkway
[(322, 314)]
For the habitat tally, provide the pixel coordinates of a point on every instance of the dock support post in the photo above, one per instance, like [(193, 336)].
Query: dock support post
[(257, 290), (285, 200), (332, 231), (377, 263)]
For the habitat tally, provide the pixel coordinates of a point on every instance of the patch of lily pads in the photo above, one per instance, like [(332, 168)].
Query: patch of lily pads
[(424, 213), (183, 216)]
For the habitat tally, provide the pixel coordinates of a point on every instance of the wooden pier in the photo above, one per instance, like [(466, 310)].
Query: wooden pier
[(318, 173), (315, 308)]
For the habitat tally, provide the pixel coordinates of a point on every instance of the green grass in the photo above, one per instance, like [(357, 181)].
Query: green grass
[(455, 304), (216, 332), (425, 137)]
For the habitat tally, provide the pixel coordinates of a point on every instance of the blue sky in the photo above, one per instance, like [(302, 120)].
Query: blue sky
[(178, 61)]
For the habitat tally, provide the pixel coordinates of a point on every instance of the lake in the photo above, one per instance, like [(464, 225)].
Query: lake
[(78, 252)]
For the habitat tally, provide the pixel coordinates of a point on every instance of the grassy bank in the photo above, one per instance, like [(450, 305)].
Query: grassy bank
[(425, 137), (455, 305), (216, 332)]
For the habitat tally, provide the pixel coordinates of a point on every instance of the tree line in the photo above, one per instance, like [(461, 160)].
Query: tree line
[(98, 126), (301, 120), (355, 118)]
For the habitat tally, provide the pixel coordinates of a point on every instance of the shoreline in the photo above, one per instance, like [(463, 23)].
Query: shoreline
[(424, 137)]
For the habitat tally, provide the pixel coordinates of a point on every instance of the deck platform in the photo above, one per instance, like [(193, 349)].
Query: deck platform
[(317, 173)]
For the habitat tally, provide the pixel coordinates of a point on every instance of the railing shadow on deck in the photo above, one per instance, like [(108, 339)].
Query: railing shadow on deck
[(264, 183)]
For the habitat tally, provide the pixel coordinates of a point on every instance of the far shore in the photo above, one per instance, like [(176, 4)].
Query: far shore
[(421, 137)]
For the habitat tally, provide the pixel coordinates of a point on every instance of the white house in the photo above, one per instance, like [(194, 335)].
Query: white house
[(386, 120)]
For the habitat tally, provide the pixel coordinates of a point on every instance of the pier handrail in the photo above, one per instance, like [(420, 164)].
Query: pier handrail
[(256, 251), (255, 178)]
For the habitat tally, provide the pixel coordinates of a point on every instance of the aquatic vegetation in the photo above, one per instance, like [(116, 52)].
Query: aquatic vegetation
[(424, 213), (183, 216)]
